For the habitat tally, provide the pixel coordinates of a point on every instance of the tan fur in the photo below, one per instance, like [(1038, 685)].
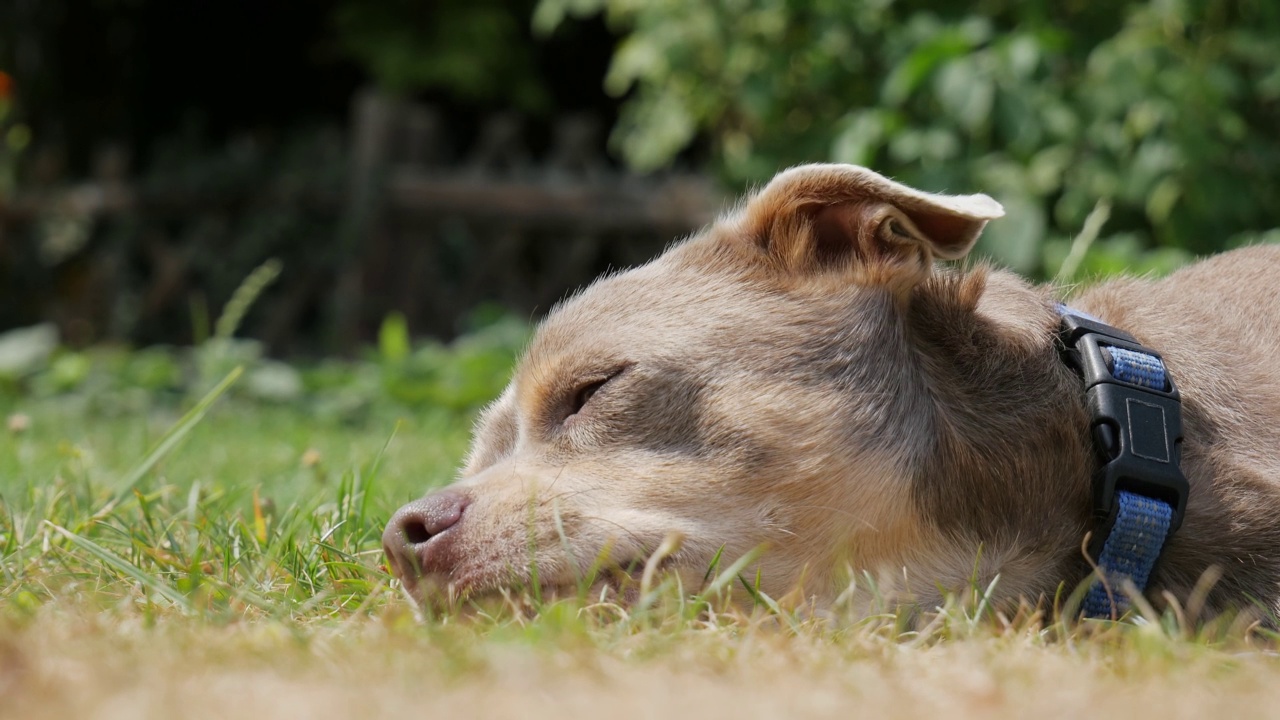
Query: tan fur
[(800, 375)]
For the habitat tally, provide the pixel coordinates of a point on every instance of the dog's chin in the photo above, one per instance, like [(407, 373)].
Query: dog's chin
[(621, 584)]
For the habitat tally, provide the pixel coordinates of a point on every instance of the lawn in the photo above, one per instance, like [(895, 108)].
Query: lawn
[(207, 544)]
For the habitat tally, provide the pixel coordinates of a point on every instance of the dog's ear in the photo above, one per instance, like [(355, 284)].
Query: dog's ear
[(819, 217)]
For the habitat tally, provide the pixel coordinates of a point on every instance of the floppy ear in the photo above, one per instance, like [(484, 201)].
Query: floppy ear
[(825, 216)]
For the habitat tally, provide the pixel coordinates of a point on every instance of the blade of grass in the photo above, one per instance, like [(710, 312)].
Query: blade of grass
[(125, 567), (167, 443), (731, 573), (715, 563), (259, 520), (1080, 245), (984, 603), (244, 296), (762, 598)]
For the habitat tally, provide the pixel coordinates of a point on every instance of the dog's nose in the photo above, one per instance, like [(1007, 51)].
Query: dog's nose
[(407, 539)]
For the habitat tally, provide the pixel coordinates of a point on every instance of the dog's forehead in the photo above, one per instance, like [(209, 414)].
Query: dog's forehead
[(659, 307)]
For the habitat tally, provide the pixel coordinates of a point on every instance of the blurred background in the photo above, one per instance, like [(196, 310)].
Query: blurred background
[(360, 178)]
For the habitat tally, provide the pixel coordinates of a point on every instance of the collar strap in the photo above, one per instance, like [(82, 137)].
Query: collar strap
[(1135, 416)]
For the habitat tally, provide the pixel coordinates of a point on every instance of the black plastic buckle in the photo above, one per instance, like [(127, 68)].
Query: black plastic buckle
[(1137, 431)]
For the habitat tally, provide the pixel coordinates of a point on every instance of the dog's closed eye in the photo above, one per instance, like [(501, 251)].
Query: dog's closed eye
[(588, 390), (584, 395)]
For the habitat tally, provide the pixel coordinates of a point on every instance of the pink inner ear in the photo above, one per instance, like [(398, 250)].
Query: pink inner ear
[(840, 231), (950, 235), (849, 229)]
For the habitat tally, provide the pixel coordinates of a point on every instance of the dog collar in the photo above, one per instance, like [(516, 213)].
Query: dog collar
[(1135, 417)]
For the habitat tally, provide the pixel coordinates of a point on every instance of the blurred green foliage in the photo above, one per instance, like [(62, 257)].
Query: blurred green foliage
[(476, 50), (395, 378), (1163, 112)]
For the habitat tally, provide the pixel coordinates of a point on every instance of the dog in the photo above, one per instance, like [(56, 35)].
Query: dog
[(804, 376)]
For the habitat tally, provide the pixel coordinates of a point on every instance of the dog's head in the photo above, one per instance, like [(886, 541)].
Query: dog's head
[(750, 387)]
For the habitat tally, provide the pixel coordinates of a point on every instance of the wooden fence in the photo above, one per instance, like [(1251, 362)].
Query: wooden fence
[(390, 218)]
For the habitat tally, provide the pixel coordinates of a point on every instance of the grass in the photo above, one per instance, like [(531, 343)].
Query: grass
[(225, 561)]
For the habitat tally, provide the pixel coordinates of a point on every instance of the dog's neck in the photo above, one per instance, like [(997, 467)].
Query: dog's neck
[(1009, 475), (1007, 481)]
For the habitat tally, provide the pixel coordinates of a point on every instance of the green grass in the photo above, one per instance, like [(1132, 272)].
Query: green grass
[(248, 511), (224, 559)]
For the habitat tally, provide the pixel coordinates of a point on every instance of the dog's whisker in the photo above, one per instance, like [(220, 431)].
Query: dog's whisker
[(839, 511), (566, 494), (636, 539), (556, 479)]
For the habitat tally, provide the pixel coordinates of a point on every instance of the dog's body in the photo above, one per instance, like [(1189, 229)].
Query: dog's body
[(800, 376)]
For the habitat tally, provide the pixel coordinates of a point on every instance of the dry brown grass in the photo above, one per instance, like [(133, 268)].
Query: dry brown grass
[(74, 664)]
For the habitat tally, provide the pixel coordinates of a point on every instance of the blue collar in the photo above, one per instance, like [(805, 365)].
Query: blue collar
[(1139, 492)]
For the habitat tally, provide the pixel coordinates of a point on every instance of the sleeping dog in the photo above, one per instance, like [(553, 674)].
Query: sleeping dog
[(802, 376)]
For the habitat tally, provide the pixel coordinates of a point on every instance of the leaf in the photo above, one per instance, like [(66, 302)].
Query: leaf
[(909, 74), (26, 350), (259, 520), (655, 130), (861, 138), (275, 381), (393, 338), (1163, 199), (965, 92)]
